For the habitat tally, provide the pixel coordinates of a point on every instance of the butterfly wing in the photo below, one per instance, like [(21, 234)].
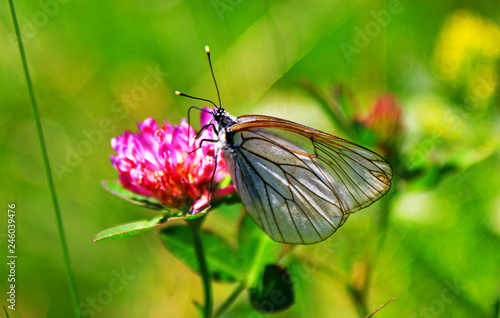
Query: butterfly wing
[(301, 192)]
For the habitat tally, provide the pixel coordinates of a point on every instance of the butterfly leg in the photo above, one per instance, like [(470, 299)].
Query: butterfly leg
[(210, 124), (204, 127), (201, 143), (213, 176)]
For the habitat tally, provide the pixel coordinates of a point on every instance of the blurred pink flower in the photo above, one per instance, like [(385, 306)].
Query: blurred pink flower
[(386, 119), (156, 162)]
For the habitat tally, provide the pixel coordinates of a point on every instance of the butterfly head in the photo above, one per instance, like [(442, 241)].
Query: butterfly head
[(219, 113), (222, 117)]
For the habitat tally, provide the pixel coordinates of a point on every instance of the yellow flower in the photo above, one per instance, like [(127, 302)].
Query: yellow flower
[(466, 52)]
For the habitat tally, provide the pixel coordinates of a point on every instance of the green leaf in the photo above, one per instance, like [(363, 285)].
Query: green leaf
[(366, 136), (222, 260), (117, 189), (274, 292), (130, 229), (437, 174), (225, 182), (255, 248), (199, 308)]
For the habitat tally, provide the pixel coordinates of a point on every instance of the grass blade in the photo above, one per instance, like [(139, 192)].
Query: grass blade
[(48, 172)]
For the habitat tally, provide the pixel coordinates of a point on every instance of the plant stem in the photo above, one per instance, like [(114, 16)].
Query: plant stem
[(358, 298), (195, 226), (249, 279), (387, 303), (254, 268), (333, 111), (6, 313), (48, 171), (234, 295), (384, 219)]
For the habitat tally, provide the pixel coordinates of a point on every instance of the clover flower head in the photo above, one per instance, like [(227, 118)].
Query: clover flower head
[(167, 163)]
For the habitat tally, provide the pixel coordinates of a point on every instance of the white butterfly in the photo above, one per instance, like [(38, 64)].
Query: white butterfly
[(299, 184)]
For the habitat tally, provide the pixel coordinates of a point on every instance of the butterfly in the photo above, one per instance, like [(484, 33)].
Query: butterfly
[(298, 184)]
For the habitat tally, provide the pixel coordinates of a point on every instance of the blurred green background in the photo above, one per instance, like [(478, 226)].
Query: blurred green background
[(99, 67)]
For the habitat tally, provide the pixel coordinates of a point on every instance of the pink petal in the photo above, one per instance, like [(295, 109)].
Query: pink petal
[(205, 117), (230, 189)]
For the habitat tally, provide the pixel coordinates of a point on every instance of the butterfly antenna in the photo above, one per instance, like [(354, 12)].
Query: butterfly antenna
[(189, 110), (192, 97), (207, 49)]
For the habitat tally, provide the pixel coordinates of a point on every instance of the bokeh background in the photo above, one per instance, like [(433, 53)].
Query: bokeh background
[(98, 67)]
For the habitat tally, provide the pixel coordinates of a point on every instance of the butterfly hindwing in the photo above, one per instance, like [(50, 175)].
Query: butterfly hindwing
[(287, 193)]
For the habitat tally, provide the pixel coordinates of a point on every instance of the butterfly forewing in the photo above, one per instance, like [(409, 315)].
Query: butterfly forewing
[(301, 191)]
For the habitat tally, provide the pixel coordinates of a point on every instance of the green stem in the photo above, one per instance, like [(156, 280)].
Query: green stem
[(48, 172), (358, 299), (250, 278), (382, 230), (230, 300), (254, 269), (195, 226), (6, 313), (384, 219), (333, 111)]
